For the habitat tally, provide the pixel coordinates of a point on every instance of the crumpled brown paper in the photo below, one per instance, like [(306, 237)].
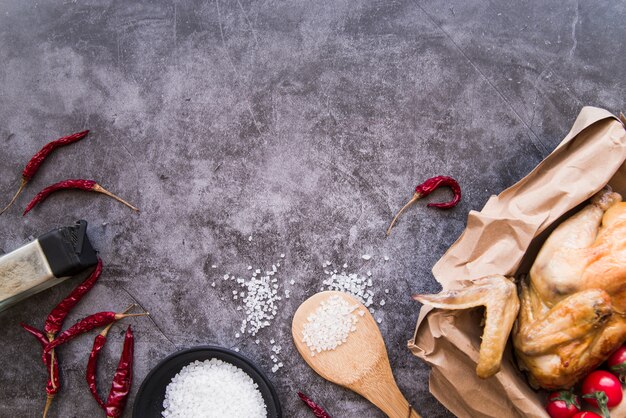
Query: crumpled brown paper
[(503, 238)]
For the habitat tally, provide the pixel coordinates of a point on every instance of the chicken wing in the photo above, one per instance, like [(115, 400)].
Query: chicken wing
[(498, 295)]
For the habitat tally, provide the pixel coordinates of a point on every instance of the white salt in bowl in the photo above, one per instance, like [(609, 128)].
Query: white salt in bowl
[(151, 394)]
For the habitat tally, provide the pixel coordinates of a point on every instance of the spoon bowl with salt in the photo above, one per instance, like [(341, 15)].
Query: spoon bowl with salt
[(338, 337)]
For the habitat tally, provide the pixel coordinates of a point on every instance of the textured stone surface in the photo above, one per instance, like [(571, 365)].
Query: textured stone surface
[(303, 124)]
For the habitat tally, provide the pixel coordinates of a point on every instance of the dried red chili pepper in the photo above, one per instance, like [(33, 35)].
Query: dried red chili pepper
[(96, 320), (427, 188), (52, 368), (35, 162), (80, 184), (318, 411), (55, 319), (118, 395), (92, 364)]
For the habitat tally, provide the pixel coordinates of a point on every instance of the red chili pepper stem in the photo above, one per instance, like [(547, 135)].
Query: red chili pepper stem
[(52, 366), (414, 199), (100, 189), (427, 188), (46, 408), (19, 191)]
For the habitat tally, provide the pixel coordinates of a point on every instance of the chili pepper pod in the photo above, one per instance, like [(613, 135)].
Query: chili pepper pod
[(118, 395), (92, 364), (317, 410), (57, 316), (51, 365), (96, 320), (427, 188), (35, 162), (79, 184)]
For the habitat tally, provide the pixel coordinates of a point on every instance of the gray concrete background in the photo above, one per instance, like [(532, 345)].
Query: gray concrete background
[(305, 124)]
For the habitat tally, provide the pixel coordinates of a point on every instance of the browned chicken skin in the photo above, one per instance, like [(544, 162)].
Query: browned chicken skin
[(572, 308)]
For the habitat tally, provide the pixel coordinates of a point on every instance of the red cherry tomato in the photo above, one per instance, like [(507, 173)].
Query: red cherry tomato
[(602, 381), (602, 390), (563, 404), (586, 414), (617, 363)]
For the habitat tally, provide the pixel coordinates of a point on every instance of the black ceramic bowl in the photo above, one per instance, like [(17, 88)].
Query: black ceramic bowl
[(149, 400)]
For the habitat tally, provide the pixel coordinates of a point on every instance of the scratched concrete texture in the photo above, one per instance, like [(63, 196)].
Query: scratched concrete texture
[(304, 125)]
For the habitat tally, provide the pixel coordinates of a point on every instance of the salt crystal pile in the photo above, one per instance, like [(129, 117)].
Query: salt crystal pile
[(260, 303), (259, 298), (359, 287), (330, 325), (213, 389)]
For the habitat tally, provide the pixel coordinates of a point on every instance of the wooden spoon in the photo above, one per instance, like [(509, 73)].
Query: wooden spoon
[(360, 364)]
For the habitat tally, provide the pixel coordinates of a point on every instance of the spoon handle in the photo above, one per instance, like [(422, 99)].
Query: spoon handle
[(381, 390)]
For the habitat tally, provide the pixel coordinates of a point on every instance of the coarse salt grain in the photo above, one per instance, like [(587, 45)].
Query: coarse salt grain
[(366, 257), (259, 296), (213, 389), (351, 283), (329, 325)]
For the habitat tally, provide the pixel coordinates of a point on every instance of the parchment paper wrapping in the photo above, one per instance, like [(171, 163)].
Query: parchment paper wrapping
[(503, 238)]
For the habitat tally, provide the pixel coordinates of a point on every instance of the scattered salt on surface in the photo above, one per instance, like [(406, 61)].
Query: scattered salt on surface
[(329, 325), (351, 283), (213, 389)]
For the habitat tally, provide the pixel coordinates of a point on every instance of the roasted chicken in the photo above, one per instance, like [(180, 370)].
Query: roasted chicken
[(572, 314), (572, 306)]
